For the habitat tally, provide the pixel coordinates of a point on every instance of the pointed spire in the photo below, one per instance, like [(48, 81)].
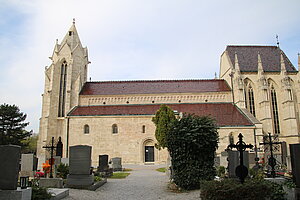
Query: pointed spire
[(259, 64), (236, 62), (72, 37), (282, 64)]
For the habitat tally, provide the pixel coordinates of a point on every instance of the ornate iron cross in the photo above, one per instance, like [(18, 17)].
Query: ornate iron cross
[(51, 148), (272, 160), (241, 171)]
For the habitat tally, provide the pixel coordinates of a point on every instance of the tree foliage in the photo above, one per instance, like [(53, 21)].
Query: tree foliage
[(12, 125), (162, 120), (30, 144), (192, 142)]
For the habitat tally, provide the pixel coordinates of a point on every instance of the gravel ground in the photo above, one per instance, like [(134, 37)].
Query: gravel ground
[(144, 182)]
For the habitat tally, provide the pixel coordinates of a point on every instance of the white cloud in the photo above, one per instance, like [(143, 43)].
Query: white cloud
[(133, 39)]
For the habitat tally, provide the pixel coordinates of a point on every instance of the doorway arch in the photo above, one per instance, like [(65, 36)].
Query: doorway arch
[(148, 151)]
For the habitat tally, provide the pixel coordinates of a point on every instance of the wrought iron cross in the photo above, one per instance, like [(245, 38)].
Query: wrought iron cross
[(241, 171), (51, 148), (271, 160)]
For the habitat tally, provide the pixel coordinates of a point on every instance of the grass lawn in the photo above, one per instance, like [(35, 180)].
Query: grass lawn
[(163, 169), (127, 170), (119, 175)]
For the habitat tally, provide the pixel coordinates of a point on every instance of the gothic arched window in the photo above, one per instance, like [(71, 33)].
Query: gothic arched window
[(62, 89), (86, 129), (249, 98), (114, 129), (274, 108)]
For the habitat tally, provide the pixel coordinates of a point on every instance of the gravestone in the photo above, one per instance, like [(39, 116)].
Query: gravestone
[(9, 170), (234, 161), (295, 161), (9, 166), (116, 164), (80, 165), (103, 163), (28, 164), (64, 161)]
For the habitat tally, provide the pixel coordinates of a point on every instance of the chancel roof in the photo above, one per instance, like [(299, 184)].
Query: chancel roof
[(226, 114), (154, 87), (248, 58)]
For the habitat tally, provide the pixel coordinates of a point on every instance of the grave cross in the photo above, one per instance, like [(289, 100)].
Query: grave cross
[(241, 171), (271, 160), (51, 148)]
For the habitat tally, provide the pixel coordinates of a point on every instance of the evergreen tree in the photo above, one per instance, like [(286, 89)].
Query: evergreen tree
[(192, 142), (162, 120), (12, 125)]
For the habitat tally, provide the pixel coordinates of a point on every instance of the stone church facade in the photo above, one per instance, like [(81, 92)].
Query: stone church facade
[(114, 117)]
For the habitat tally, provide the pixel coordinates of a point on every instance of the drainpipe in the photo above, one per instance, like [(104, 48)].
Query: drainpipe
[(67, 145)]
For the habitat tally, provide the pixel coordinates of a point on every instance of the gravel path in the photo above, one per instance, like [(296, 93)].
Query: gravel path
[(144, 182)]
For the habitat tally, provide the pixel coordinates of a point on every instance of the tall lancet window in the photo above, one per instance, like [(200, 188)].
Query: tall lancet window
[(274, 110), (62, 90), (249, 98)]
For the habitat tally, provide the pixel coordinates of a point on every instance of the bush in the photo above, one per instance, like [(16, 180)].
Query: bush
[(234, 190), (192, 142), (97, 178), (62, 170), (40, 193), (221, 170)]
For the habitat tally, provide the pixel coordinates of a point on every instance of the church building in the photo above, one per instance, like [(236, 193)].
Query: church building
[(256, 93)]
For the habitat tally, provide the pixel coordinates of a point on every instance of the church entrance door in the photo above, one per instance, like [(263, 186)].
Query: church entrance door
[(149, 153)]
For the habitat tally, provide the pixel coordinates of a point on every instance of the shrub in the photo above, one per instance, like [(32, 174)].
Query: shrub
[(221, 171), (234, 190), (62, 170), (40, 193), (192, 142), (97, 178)]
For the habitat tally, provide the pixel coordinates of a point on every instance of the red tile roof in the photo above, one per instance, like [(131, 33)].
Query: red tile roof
[(154, 87), (270, 57), (226, 114)]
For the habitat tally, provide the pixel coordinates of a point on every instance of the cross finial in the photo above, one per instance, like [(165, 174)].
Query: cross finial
[(277, 41), (74, 21)]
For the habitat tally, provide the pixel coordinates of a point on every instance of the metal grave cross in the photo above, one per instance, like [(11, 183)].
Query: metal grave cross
[(272, 159), (51, 148), (241, 171)]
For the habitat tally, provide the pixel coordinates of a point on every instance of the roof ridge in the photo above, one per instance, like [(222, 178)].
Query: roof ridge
[(162, 80), (248, 45)]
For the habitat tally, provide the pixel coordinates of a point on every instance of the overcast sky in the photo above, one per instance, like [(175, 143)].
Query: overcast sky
[(134, 39)]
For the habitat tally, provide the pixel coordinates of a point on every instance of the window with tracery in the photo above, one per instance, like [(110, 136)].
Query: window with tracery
[(231, 139), (62, 90), (274, 108), (249, 98)]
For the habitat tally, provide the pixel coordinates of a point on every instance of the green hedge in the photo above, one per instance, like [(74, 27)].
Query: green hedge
[(192, 142), (234, 190)]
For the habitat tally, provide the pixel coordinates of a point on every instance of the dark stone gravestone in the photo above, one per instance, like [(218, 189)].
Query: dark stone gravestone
[(117, 164), (9, 166), (283, 153), (80, 165), (234, 161), (103, 163), (295, 161), (9, 171)]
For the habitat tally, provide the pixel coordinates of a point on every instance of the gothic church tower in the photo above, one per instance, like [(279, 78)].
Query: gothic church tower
[(64, 79)]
